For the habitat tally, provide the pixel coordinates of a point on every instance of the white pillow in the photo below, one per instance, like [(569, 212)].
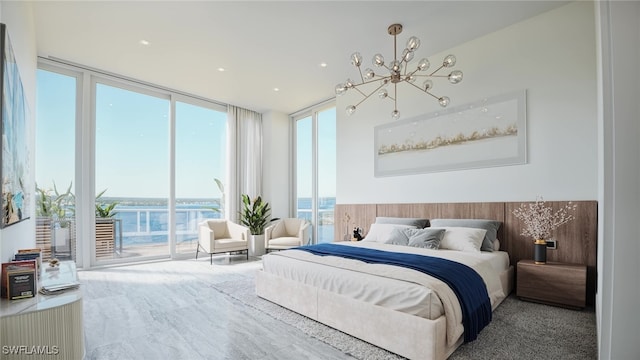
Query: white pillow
[(381, 232), (496, 245), (462, 238)]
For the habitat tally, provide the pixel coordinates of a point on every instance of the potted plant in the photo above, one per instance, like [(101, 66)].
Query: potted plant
[(105, 226), (540, 221), (255, 215), (51, 221)]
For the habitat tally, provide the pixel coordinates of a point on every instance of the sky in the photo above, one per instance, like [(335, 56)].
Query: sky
[(132, 143), (326, 154)]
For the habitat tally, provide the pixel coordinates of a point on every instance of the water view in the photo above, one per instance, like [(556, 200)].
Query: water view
[(145, 221)]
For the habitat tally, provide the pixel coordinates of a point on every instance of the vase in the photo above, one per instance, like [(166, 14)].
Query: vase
[(540, 251)]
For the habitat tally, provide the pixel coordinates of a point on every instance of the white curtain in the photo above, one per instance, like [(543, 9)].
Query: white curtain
[(245, 154)]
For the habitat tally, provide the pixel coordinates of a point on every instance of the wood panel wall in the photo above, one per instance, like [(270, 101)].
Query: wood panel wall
[(576, 240)]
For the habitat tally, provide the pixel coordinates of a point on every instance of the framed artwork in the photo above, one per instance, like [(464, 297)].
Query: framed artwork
[(13, 125), (488, 132)]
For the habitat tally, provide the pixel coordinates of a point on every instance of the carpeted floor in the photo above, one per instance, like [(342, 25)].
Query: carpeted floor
[(519, 330)]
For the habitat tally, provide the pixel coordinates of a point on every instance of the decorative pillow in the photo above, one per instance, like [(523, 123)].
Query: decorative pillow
[(417, 222), (462, 238), (423, 238), (496, 245), (491, 226), (381, 232), (398, 236)]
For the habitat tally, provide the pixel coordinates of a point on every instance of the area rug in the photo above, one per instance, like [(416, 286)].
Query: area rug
[(519, 330)]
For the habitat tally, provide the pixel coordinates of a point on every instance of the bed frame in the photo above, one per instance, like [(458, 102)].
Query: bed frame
[(407, 335), (412, 336)]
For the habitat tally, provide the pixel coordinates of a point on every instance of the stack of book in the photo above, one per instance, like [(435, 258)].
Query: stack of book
[(30, 254), (19, 279)]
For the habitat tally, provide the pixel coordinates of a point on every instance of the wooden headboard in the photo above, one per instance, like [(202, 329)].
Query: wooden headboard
[(576, 240)]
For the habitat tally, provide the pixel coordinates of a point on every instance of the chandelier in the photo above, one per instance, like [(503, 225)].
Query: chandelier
[(398, 72)]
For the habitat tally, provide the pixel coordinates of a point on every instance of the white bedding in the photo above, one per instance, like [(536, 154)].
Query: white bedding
[(392, 287)]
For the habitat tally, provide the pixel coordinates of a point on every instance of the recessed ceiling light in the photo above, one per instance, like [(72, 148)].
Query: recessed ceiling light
[(323, 64), (144, 42), (276, 89), (221, 69)]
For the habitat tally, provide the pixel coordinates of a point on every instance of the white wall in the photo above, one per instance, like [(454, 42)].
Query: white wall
[(18, 17), (619, 197), (276, 162), (552, 56)]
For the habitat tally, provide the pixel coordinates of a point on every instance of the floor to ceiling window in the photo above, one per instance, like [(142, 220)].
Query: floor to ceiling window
[(315, 146), (55, 164), (149, 162), (131, 172), (201, 158)]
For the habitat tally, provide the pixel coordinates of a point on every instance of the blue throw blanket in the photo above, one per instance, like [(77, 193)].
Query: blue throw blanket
[(465, 282)]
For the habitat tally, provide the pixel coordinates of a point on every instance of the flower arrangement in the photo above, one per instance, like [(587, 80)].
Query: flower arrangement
[(540, 220)]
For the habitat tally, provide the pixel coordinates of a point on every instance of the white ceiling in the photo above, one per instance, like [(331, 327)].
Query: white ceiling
[(261, 44)]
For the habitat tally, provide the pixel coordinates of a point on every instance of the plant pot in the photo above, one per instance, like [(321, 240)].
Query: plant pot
[(540, 251), (61, 240), (105, 238), (43, 236), (256, 245)]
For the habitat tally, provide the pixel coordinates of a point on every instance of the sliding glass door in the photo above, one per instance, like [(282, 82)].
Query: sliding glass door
[(131, 172), (127, 169)]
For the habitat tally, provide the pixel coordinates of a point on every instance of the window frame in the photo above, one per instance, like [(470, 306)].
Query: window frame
[(312, 112), (85, 148)]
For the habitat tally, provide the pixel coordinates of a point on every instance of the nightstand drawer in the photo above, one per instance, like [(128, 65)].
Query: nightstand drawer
[(552, 283)]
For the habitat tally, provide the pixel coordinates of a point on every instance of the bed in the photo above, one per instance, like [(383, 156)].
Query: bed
[(402, 310)]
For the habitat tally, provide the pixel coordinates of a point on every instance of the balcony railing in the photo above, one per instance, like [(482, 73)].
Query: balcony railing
[(136, 227), (147, 224)]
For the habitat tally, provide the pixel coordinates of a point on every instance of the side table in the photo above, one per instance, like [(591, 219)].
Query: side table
[(553, 283)]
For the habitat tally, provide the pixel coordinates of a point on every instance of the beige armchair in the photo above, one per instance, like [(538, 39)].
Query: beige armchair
[(222, 236), (287, 233)]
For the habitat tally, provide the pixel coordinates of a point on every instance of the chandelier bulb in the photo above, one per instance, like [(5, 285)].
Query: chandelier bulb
[(413, 43), (410, 79), (349, 83), (396, 65), (395, 114), (407, 55), (369, 74), (455, 76), (423, 64), (384, 82), (356, 59), (378, 60), (350, 110), (444, 101), (382, 94), (427, 85), (449, 61), (341, 89)]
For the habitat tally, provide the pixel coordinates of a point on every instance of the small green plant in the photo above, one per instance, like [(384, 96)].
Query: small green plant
[(52, 203), (254, 215), (103, 209)]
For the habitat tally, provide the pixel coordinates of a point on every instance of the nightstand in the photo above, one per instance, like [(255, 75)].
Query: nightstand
[(553, 283)]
